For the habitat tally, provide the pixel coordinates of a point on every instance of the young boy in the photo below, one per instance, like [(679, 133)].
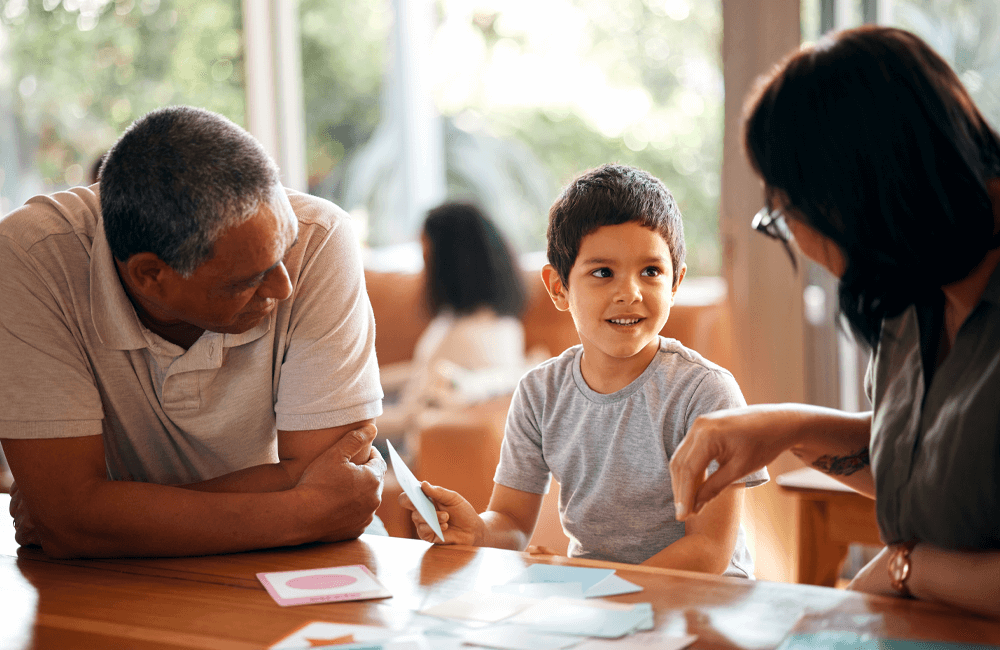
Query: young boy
[(605, 416)]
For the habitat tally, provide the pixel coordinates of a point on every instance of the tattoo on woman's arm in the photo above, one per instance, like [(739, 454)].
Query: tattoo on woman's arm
[(843, 465)]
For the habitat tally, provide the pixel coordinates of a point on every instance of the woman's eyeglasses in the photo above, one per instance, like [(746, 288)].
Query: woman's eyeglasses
[(772, 223)]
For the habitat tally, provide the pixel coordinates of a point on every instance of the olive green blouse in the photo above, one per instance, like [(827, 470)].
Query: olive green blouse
[(935, 443)]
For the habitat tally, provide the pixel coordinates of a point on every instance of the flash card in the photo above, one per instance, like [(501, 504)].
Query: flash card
[(327, 585), (411, 486)]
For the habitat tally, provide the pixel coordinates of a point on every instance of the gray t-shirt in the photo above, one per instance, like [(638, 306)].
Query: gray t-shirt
[(611, 453), (935, 448)]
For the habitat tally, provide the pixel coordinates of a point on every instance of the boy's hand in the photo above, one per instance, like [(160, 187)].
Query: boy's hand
[(459, 521)]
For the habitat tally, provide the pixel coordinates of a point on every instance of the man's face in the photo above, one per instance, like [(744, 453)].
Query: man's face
[(245, 279), (620, 291)]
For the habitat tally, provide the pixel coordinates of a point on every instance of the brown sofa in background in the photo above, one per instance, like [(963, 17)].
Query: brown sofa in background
[(459, 449)]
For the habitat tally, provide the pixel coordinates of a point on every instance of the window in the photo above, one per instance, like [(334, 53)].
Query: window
[(523, 95), (75, 73), (967, 34)]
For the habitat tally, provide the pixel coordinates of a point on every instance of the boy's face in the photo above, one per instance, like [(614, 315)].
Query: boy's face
[(619, 292)]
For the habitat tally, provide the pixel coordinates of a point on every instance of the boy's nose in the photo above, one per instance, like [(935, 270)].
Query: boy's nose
[(628, 291)]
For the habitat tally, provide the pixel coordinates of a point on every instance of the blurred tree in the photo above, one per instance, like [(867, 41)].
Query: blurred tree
[(77, 72), (967, 34), (659, 58), (343, 54)]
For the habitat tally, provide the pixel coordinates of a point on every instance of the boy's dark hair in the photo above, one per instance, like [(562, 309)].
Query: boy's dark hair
[(470, 265), (608, 196), (876, 144)]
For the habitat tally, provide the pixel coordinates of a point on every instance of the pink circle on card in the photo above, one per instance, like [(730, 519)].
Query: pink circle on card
[(321, 581)]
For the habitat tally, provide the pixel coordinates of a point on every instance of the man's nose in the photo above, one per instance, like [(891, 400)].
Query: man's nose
[(276, 284)]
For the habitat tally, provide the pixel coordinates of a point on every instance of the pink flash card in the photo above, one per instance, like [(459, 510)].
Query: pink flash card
[(327, 585)]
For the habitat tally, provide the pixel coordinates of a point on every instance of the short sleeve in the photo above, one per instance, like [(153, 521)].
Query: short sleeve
[(718, 390), (47, 387), (329, 372), (522, 464)]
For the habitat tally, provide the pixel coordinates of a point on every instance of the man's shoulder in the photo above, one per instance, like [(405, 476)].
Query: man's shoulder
[(316, 211), (74, 212)]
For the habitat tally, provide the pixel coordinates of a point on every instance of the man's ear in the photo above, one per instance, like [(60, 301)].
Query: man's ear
[(148, 274), (554, 285), (677, 282)]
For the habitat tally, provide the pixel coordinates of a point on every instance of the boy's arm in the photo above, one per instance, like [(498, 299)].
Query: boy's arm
[(507, 523), (709, 537)]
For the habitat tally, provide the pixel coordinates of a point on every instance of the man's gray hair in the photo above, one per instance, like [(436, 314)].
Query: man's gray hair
[(176, 179)]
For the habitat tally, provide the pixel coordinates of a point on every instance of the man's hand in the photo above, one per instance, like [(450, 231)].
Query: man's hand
[(344, 494), (24, 530), (459, 521)]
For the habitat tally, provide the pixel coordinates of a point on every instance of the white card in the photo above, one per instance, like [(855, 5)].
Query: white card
[(582, 617), (411, 486), (476, 606), (541, 590), (612, 586), (354, 582), (321, 633), (509, 637), (643, 640)]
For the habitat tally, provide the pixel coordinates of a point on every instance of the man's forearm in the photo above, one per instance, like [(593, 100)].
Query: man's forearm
[(274, 477), (117, 519), (296, 450), (77, 512)]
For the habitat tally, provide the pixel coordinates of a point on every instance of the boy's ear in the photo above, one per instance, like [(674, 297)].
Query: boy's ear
[(555, 287), (677, 282)]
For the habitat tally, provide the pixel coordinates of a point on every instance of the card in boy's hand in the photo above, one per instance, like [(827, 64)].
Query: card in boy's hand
[(354, 582), (411, 486)]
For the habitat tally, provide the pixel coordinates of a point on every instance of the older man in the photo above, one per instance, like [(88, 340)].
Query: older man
[(188, 355)]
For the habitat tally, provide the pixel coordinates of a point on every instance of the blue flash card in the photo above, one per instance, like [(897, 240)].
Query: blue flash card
[(587, 577), (411, 486)]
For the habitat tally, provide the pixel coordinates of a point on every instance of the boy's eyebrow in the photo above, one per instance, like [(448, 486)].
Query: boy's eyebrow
[(610, 260)]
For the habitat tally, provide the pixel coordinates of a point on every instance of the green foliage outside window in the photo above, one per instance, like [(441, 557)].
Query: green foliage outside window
[(668, 51), (77, 73)]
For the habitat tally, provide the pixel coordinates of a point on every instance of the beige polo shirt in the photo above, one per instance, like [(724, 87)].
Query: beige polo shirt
[(76, 361)]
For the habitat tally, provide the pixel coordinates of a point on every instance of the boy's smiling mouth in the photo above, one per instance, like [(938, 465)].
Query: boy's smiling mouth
[(624, 321)]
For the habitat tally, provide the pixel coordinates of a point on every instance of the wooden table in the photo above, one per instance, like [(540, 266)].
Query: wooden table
[(830, 517), (217, 603)]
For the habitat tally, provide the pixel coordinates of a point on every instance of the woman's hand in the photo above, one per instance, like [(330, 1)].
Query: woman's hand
[(742, 440), (873, 578), (459, 521)]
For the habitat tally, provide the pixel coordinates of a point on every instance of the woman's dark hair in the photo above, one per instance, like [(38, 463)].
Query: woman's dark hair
[(469, 264), (876, 145)]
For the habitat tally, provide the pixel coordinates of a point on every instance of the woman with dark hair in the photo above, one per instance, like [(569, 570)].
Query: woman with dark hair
[(878, 165), (474, 344)]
